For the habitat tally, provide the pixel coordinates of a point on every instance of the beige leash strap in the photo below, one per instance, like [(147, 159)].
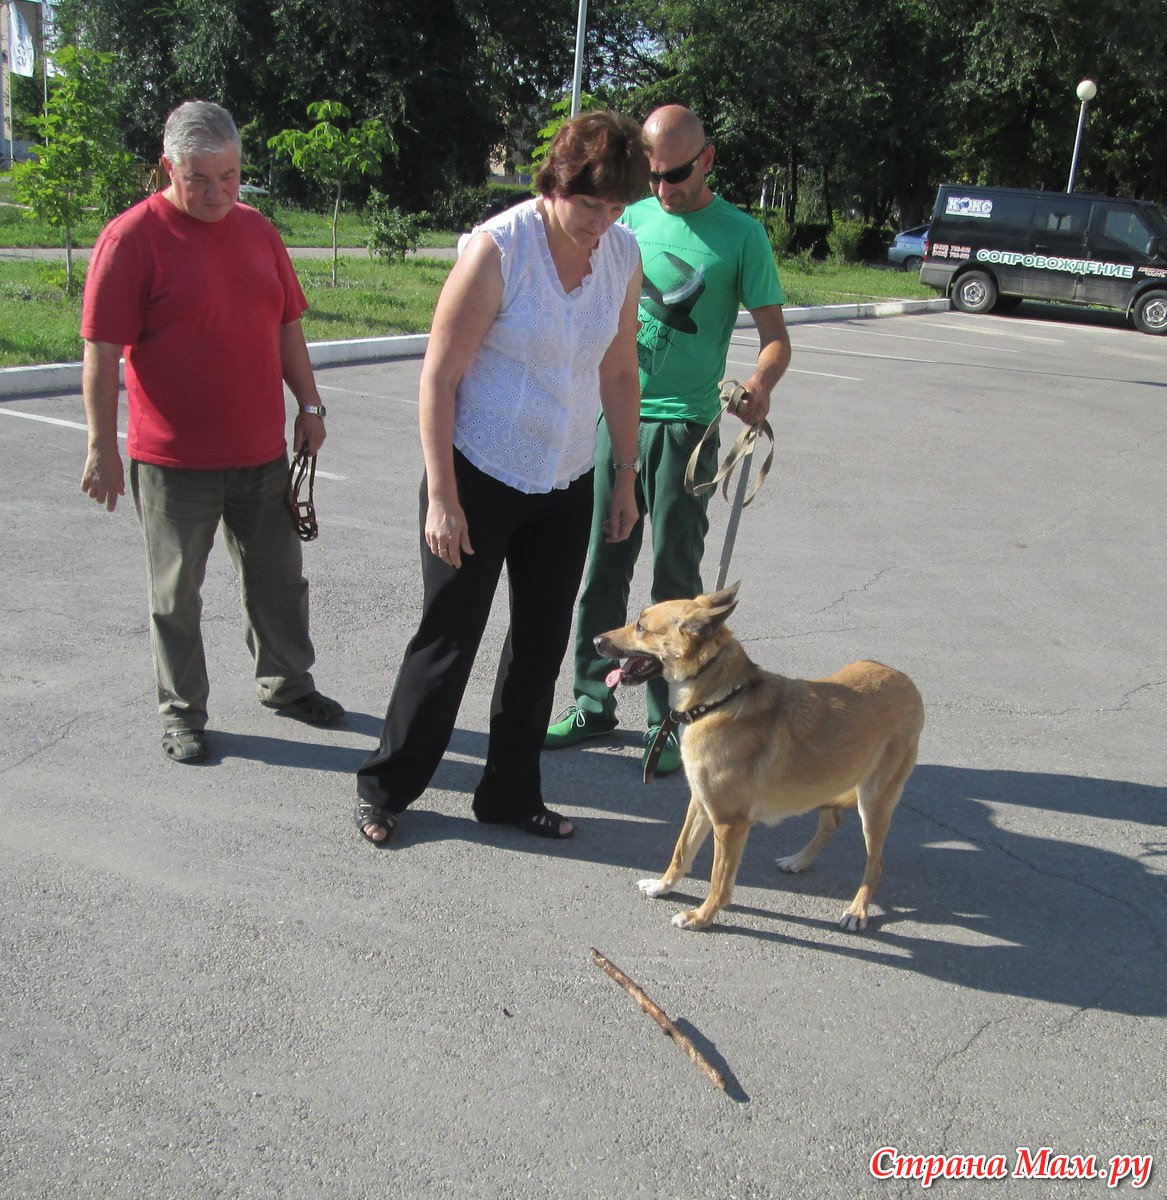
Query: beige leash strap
[(732, 394)]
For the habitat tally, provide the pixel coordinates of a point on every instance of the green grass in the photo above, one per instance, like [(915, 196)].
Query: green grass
[(372, 298), (18, 229), (816, 283), (301, 228), (39, 322)]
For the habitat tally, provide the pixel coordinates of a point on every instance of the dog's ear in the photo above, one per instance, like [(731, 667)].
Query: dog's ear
[(715, 611), (725, 596)]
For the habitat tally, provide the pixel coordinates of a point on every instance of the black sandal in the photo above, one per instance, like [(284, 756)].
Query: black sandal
[(313, 709), (543, 824), (367, 813), (185, 745)]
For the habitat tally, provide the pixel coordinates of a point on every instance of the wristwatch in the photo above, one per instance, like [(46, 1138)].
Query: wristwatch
[(313, 410), (633, 466)]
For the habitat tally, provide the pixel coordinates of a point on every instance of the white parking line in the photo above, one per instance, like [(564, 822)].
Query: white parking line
[(866, 354), (968, 325), (751, 363), (324, 387), (823, 374), (11, 412), (826, 327)]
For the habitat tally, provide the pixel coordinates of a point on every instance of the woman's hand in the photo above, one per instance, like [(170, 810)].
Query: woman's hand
[(620, 396), (446, 532), (466, 309)]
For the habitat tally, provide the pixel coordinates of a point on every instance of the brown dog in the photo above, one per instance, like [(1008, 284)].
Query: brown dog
[(760, 747)]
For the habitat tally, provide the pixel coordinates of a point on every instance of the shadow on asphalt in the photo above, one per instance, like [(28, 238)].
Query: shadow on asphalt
[(1003, 909), (972, 895)]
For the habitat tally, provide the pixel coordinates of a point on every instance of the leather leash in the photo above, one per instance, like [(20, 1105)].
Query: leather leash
[(302, 512), (675, 719)]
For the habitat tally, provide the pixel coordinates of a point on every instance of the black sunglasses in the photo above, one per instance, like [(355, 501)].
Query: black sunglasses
[(677, 174)]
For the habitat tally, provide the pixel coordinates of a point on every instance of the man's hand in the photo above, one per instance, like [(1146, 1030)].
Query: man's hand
[(754, 406), (104, 477), (308, 431), (623, 513), (773, 359)]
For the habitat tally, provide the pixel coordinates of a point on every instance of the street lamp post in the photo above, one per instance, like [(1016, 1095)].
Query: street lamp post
[(1087, 90), (581, 29)]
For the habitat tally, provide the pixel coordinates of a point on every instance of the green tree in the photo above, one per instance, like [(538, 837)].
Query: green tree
[(1022, 60), (334, 156), (560, 112), (80, 161), (837, 97), (393, 234), (862, 108), (455, 79)]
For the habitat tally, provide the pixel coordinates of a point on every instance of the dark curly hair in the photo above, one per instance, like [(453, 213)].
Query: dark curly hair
[(596, 154)]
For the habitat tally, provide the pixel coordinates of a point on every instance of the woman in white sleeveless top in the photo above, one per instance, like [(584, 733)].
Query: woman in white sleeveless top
[(534, 333)]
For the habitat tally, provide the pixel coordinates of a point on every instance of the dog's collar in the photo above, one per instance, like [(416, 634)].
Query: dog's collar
[(700, 710), (675, 718)]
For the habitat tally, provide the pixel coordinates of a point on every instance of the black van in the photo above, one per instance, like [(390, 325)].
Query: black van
[(991, 248)]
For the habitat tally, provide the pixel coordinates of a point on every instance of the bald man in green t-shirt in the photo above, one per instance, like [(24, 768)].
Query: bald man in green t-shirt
[(703, 261)]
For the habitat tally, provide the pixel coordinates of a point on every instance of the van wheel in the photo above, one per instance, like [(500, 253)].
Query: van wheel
[(913, 263), (1150, 313), (975, 292)]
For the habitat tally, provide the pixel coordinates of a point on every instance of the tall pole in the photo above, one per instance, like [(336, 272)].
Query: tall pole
[(5, 89), (40, 12), (1087, 90), (581, 27)]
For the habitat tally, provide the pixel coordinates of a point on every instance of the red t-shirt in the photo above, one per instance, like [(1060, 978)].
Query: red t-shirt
[(198, 306)]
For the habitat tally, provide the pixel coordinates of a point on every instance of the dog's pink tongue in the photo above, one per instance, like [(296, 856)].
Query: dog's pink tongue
[(614, 676)]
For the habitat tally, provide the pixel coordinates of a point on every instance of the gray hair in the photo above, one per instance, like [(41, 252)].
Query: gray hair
[(198, 127)]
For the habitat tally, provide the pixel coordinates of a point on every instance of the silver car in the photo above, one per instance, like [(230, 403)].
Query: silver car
[(907, 251)]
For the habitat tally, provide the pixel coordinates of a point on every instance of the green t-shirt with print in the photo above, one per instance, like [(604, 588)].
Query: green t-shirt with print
[(700, 269)]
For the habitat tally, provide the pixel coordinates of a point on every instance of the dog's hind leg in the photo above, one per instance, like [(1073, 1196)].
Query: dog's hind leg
[(693, 834), (829, 817), (877, 801), (729, 840)]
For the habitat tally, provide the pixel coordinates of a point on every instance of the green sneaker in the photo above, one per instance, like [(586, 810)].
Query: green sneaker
[(574, 725), (670, 755)]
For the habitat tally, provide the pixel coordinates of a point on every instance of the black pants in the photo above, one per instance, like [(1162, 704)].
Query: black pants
[(543, 539)]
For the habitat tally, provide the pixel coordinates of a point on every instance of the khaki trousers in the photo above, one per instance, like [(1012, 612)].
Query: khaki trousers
[(179, 512)]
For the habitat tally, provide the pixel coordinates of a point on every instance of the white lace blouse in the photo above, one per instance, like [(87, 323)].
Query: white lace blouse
[(527, 407)]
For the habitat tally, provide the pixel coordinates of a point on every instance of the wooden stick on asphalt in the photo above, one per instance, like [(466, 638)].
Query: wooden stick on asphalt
[(660, 1017)]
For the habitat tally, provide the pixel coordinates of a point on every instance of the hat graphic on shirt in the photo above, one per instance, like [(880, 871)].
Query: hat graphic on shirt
[(671, 299)]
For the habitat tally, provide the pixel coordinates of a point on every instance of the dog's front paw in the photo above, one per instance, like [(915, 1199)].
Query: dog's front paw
[(689, 920), (793, 864), (654, 887), (852, 922)]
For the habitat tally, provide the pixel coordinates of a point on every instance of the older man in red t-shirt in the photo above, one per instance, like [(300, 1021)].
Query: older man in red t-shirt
[(199, 292)]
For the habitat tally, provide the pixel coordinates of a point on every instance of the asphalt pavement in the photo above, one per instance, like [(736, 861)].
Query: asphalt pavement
[(214, 988)]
